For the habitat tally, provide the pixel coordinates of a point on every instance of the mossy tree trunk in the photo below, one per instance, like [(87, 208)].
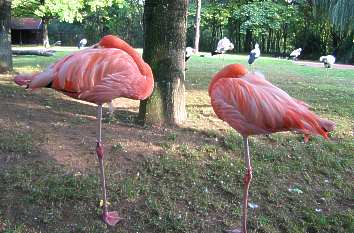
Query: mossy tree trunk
[(5, 36), (164, 50)]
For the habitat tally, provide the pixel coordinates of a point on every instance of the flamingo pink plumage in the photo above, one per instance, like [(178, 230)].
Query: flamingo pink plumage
[(252, 105), (98, 75)]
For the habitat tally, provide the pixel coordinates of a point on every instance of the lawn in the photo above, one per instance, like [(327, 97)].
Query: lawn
[(186, 179)]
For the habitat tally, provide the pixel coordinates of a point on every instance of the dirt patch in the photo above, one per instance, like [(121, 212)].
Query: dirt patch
[(64, 130)]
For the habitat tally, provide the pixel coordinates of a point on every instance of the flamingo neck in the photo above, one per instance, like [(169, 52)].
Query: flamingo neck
[(115, 42)]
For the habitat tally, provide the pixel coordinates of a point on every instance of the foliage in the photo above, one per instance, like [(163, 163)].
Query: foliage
[(126, 20), (341, 12), (277, 25), (65, 10), (123, 18), (262, 16)]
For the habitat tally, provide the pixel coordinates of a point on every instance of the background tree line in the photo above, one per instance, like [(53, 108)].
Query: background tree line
[(279, 26)]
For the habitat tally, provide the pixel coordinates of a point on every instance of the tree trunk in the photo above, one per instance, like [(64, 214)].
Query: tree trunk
[(45, 22), (214, 39), (269, 41), (238, 34), (248, 41), (278, 38), (198, 4), (285, 36), (164, 50), (5, 36)]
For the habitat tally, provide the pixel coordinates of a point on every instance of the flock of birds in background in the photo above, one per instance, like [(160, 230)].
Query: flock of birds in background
[(245, 100), (225, 45)]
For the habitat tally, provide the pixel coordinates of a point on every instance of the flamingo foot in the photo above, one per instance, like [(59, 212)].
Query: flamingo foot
[(111, 218), (233, 231)]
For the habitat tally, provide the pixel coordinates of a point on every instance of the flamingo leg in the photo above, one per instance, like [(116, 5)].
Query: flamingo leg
[(110, 218), (246, 184)]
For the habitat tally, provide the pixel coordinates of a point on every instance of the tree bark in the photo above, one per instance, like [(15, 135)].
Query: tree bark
[(278, 38), (5, 36), (238, 34), (285, 36), (248, 41), (164, 50), (198, 4), (45, 22)]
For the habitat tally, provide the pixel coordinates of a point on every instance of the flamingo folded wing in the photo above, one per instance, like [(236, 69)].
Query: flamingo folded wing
[(252, 105)]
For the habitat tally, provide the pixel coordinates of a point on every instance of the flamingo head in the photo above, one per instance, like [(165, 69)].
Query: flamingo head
[(110, 41), (232, 71), (229, 71)]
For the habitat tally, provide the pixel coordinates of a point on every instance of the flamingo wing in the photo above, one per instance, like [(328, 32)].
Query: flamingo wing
[(127, 83), (252, 105), (95, 75), (99, 75)]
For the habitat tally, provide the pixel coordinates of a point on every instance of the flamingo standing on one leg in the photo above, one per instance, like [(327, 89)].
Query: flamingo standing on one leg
[(98, 76), (252, 105)]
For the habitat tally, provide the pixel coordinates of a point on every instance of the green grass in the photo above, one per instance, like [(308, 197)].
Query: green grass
[(192, 182)]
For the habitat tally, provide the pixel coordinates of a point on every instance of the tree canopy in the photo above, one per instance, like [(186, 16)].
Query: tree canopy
[(340, 12), (65, 10), (279, 26)]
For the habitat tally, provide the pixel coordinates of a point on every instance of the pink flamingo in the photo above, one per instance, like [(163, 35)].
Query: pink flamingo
[(97, 76), (252, 105)]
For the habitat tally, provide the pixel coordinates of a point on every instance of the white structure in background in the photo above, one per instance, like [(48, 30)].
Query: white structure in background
[(189, 52), (82, 43), (111, 108), (254, 54), (294, 54), (223, 45), (328, 60)]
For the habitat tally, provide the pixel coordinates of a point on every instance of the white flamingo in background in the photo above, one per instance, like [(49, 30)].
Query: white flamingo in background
[(223, 45), (328, 62), (294, 54)]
